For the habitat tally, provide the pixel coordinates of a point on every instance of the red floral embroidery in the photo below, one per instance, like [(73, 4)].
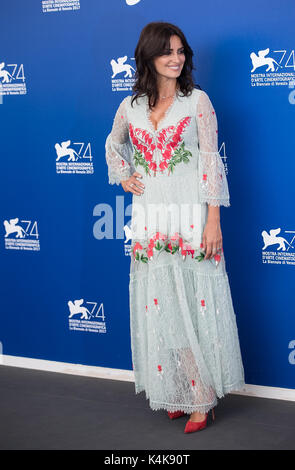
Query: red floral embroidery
[(157, 305), (167, 141), (203, 307), (160, 243), (174, 244), (217, 258), (160, 371), (137, 246)]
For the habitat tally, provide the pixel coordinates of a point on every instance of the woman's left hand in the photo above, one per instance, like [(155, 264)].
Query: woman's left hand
[(212, 238)]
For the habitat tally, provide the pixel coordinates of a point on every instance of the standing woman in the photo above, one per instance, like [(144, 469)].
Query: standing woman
[(163, 148)]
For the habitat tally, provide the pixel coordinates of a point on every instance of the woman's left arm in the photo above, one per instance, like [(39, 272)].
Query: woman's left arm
[(213, 187)]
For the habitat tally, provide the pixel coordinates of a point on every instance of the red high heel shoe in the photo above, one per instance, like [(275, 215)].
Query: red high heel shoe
[(175, 414), (192, 426)]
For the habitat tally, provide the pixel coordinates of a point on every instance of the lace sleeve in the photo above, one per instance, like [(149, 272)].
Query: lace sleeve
[(118, 148), (213, 187)]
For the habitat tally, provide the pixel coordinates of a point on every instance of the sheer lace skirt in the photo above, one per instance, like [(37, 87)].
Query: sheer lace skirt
[(184, 338)]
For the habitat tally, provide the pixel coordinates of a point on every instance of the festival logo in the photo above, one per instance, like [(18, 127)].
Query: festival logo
[(291, 358), (122, 76), (88, 316), (132, 2), (54, 6), (21, 235), (277, 249), (73, 160), (272, 68), (223, 156), (128, 239), (12, 79)]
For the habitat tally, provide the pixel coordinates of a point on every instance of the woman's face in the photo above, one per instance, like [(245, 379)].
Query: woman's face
[(171, 63)]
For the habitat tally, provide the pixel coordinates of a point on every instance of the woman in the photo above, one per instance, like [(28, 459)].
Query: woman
[(163, 148)]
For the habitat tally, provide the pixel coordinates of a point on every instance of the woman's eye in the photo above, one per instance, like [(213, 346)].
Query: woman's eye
[(169, 52)]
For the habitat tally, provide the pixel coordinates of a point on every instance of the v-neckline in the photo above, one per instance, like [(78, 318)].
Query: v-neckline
[(159, 123)]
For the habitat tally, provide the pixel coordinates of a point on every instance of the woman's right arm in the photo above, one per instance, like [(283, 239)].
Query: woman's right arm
[(118, 154)]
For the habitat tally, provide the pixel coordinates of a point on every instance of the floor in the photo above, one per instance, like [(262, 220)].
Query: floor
[(48, 410)]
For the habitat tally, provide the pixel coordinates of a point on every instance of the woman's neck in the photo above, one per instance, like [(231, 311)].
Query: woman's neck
[(167, 87)]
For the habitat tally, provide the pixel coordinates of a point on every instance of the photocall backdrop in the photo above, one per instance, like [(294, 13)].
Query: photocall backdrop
[(65, 251)]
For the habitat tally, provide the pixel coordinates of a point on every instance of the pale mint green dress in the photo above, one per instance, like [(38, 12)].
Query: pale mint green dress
[(184, 337)]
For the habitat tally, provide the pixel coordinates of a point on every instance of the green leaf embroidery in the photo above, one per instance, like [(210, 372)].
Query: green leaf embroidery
[(201, 256), (140, 160), (169, 249), (158, 246), (180, 155)]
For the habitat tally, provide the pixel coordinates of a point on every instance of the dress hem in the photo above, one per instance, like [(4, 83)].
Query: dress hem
[(155, 406)]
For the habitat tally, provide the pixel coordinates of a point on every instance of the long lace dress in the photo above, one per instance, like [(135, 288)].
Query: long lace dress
[(184, 337)]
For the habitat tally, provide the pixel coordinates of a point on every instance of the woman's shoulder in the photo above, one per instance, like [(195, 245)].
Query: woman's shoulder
[(125, 100), (191, 100), (197, 93), (200, 99), (193, 95), (128, 101)]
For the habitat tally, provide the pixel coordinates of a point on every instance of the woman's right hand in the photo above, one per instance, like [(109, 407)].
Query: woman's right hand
[(132, 184)]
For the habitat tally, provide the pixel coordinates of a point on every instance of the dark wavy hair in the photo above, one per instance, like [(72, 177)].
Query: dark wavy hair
[(153, 41)]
